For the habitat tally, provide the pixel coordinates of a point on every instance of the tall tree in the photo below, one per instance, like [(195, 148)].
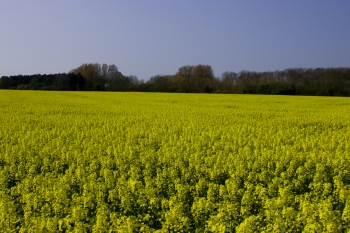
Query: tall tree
[(92, 74), (197, 78), (5, 82), (228, 81)]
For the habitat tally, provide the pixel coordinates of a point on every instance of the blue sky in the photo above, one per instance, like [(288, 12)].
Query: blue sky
[(146, 38)]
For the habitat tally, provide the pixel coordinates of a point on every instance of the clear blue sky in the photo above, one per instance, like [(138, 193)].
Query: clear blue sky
[(146, 38)]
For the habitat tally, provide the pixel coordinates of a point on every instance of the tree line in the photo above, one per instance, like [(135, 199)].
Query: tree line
[(87, 77), (191, 79)]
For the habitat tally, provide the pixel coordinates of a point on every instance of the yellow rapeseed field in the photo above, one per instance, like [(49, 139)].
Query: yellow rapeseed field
[(153, 162)]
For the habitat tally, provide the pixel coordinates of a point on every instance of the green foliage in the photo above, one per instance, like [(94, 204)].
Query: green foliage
[(135, 162)]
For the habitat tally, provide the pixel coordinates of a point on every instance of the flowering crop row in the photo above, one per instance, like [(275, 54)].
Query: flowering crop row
[(135, 162)]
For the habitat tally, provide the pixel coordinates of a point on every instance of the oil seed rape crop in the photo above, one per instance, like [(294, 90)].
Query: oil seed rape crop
[(136, 162)]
